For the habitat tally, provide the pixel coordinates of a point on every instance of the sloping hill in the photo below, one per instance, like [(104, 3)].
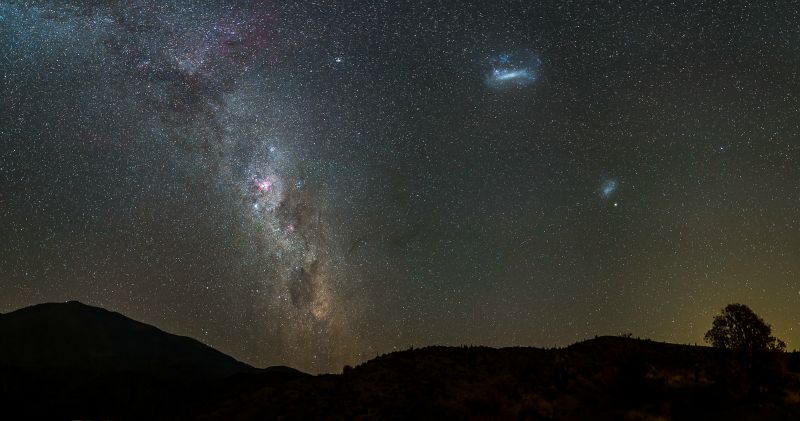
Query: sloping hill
[(74, 360), (76, 336)]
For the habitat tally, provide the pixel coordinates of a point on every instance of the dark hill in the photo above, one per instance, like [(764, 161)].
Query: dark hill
[(72, 361), (76, 336), (604, 378), (77, 361)]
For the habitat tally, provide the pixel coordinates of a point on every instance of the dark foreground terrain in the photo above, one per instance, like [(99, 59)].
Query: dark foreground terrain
[(68, 361), (604, 378)]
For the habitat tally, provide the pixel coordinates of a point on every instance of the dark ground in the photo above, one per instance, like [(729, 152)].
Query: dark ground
[(604, 378), (71, 361)]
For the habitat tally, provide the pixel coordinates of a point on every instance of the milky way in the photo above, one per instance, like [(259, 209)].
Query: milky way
[(191, 77), (313, 183)]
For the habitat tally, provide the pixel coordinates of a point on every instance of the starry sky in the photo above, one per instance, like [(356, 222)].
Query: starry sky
[(312, 183)]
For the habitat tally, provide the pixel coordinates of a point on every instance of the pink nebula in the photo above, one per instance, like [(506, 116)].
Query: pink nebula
[(265, 184)]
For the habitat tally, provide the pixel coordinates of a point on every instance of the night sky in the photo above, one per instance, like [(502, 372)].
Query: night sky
[(314, 183)]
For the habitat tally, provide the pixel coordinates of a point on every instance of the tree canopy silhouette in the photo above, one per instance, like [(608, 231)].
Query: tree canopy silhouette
[(738, 327)]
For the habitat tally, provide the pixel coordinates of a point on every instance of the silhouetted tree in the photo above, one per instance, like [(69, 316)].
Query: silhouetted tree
[(738, 327)]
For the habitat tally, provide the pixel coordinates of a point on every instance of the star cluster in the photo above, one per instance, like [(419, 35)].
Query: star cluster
[(312, 183)]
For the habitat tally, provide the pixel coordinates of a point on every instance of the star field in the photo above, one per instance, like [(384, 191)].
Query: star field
[(312, 183)]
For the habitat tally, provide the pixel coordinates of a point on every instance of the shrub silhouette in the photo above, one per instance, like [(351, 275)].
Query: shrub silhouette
[(738, 327)]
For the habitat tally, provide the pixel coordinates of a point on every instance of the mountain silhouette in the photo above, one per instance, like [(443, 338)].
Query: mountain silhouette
[(73, 361), (76, 336), (87, 362)]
